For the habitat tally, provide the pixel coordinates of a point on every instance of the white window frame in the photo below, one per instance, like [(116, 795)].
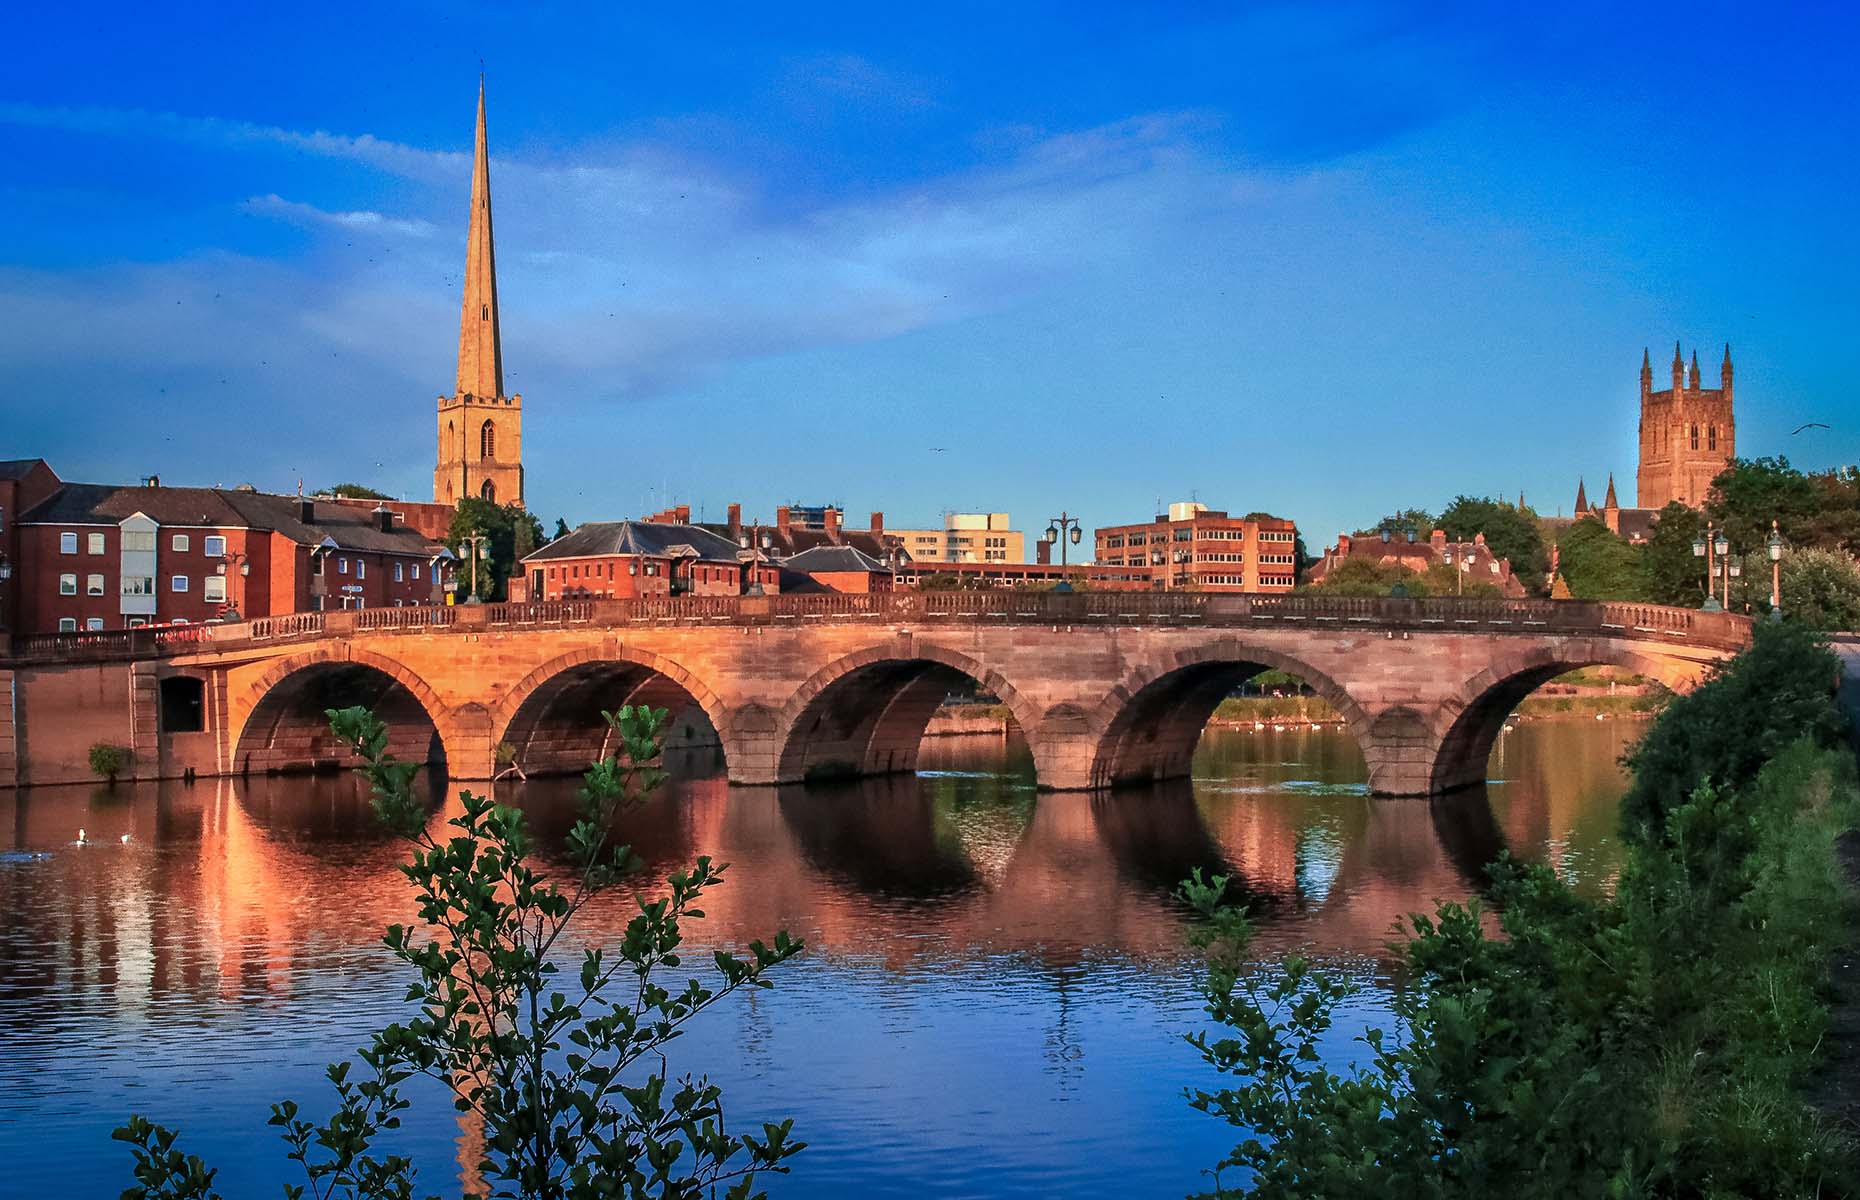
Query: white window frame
[(361, 568), (67, 624), (93, 624), (342, 566), (67, 542), (416, 572), (180, 543), (93, 544), (67, 584), (177, 583), (93, 584), (213, 545), (400, 571), (211, 584)]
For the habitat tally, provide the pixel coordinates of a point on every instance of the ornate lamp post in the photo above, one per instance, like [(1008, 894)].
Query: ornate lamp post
[(477, 550), (1060, 529), (1723, 547), (756, 556), (1775, 572), (6, 573), (1702, 547), (231, 611)]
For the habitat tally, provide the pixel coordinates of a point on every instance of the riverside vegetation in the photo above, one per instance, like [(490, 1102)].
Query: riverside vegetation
[(1654, 1043), (567, 1080)]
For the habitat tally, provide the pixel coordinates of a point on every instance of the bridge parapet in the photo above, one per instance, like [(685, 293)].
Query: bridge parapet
[(1649, 622)]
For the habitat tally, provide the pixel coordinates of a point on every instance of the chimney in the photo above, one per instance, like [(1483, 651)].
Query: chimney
[(878, 522), (306, 510), (736, 520), (1438, 539), (781, 522), (683, 512), (1043, 552), (832, 519), (384, 520)]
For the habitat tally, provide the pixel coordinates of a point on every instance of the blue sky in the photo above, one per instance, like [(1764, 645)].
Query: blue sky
[(1326, 262)]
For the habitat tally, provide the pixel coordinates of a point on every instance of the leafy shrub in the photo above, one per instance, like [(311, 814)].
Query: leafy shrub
[(569, 1082), (1821, 589), (107, 760), (1725, 730)]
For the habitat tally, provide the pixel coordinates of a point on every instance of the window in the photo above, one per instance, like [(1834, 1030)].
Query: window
[(138, 539), (94, 624), (416, 570), (342, 566), (95, 543), (138, 585), (361, 568), (178, 583), (316, 563), (487, 440), (67, 585), (67, 624), (1711, 438), (180, 543), (1695, 437), (213, 546), (67, 543), (213, 589), (398, 569), (93, 585), (183, 704), (488, 492)]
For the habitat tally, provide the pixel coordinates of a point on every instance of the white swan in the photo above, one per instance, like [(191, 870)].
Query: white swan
[(82, 840), (124, 839)]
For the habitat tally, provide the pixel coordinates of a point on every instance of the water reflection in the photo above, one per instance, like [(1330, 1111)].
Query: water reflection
[(995, 977)]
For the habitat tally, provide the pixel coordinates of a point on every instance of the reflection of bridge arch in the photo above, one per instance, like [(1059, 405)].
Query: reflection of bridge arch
[(552, 718), (1477, 712), (1148, 726), (279, 721), (865, 713)]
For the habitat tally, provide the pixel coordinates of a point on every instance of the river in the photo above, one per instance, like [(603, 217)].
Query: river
[(992, 1002)]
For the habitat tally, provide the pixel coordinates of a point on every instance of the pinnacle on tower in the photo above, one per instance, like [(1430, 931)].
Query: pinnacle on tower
[(1582, 497), (1609, 501), (1693, 379), (481, 359)]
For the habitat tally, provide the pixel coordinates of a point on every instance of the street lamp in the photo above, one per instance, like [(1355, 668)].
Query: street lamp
[(478, 550), (231, 611), (1702, 547), (1723, 546), (755, 575), (1060, 529), (1775, 549), (6, 573)]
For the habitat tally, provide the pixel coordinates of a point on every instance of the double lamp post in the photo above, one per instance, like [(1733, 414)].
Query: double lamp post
[(1715, 549)]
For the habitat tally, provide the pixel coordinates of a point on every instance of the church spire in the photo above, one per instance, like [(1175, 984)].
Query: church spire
[(1609, 501), (481, 358), (1582, 498)]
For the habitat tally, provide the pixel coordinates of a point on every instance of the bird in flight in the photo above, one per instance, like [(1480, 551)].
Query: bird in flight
[(1810, 425), (939, 449)]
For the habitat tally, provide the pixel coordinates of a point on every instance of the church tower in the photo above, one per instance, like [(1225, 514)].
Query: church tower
[(480, 428), (1687, 434)]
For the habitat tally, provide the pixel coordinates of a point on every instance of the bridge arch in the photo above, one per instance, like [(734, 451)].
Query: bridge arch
[(1149, 724), (278, 723), (1472, 718), (552, 717), (865, 713)]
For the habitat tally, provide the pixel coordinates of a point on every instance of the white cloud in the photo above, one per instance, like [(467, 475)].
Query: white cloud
[(365, 221)]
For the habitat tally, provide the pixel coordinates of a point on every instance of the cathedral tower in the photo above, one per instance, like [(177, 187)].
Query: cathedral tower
[(480, 428), (1687, 434)]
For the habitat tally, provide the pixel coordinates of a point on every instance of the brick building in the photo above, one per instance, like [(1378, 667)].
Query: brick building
[(965, 538), (1199, 548), (101, 556), (840, 569), (626, 559), (1474, 560), (1093, 576)]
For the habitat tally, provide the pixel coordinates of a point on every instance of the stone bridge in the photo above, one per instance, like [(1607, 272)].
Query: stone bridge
[(1108, 688)]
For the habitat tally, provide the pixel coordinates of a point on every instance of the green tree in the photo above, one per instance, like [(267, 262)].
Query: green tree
[(1599, 565), (569, 1080), (1670, 572), (1511, 532), (1836, 523), (356, 491), (1415, 523), (1752, 492), (1363, 577), (500, 524), (1821, 589), (561, 530)]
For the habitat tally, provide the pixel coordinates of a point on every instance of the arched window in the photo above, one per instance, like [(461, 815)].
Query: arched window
[(487, 440), (1711, 438), (448, 491), (488, 491), (1695, 436)]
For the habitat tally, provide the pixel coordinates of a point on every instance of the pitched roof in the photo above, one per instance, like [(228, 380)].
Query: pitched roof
[(647, 538), (349, 527), (827, 559), (18, 468)]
